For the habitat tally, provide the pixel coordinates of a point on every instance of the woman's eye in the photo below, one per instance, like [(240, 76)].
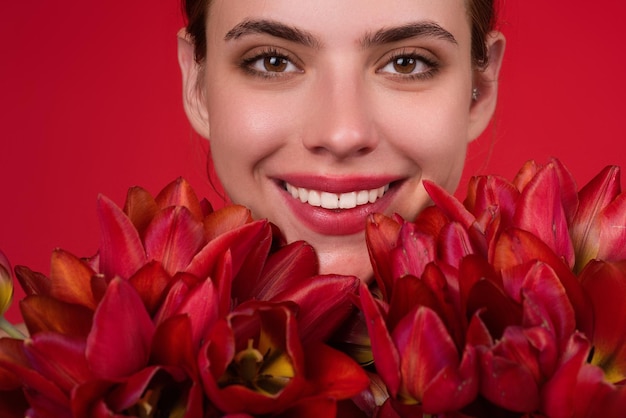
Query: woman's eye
[(408, 65), (267, 64)]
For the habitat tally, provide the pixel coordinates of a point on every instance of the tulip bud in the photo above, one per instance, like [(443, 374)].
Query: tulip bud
[(6, 284)]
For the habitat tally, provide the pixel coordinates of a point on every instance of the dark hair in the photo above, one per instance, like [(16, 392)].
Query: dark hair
[(482, 15)]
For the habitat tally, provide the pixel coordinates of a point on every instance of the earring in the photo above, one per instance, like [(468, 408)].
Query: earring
[(475, 94)]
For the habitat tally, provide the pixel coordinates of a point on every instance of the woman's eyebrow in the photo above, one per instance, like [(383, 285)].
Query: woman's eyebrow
[(272, 28), (382, 36), (406, 31)]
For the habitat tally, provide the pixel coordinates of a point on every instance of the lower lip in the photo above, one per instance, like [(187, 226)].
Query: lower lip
[(337, 221)]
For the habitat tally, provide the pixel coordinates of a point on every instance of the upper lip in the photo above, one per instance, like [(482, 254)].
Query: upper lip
[(345, 184)]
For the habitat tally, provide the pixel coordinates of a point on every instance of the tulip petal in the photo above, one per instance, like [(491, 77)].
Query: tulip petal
[(33, 283), (507, 367), (200, 304), (332, 373), (285, 268), (546, 304), (249, 269), (324, 303), (130, 391), (456, 212), (606, 285), (59, 359), (177, 292), (11, 352), (173, 237), (119, 342), (455, 244), (425, 349), (473, 269), (121, 250), (39, 390), (565, 378), (409, 292), (414, 251), (569, 189), (250, 240), (594, 197), (516, 247), (449, 204), (226, 219), (547, 221), (172, 344), (180, 193), (525, 174), (385, 353), (88, 400), (71, 279), (491, 194), (140, 207), (150, 282), (497, 310), (43, 313), (612, 240), (453, 387), (381, 235), (217, 353), (594, 397), (41, 405), (443, 286)]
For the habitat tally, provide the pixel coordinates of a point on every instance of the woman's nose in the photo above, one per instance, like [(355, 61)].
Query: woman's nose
[(341, 124)]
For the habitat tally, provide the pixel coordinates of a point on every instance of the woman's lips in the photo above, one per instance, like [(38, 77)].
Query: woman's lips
[(338, 213)]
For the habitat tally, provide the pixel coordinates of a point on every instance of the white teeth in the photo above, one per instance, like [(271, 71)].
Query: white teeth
[(362, 197), (336, 200), (314, 198), (329, 200), (347, 200)]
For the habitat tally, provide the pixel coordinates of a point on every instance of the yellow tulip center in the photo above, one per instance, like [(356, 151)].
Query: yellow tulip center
[(611, 363), (6, 289), (267, 373), (159, 400)]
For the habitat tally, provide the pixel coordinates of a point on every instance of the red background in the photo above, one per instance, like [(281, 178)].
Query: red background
[(90, 103)]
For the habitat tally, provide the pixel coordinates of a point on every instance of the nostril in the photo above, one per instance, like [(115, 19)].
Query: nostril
[(364, 151)]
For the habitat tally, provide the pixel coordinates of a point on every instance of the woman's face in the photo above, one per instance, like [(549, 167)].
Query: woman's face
[(321, 112)]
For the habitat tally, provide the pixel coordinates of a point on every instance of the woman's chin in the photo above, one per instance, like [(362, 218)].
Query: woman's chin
[(350, 260)]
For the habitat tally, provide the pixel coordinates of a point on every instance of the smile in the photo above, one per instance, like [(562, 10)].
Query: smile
[(329, 200)]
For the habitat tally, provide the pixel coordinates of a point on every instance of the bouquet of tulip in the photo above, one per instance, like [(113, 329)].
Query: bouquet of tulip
[(509, 304)]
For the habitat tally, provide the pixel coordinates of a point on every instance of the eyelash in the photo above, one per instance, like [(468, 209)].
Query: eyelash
[(248, 63), (432, 66)]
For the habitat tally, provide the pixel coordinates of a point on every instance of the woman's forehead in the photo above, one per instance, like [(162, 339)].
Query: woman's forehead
[(347, 19)]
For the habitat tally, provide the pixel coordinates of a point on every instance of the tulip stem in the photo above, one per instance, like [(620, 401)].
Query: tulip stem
[(10, 329)]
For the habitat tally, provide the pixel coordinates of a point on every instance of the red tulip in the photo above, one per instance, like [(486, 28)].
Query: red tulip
[(598, 227), (578, 389), (253, 363), (528, 354), (606, 285), (123, 359), (517, 247), (381, 235), (491, 199), (547, 221), (419, 361)]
